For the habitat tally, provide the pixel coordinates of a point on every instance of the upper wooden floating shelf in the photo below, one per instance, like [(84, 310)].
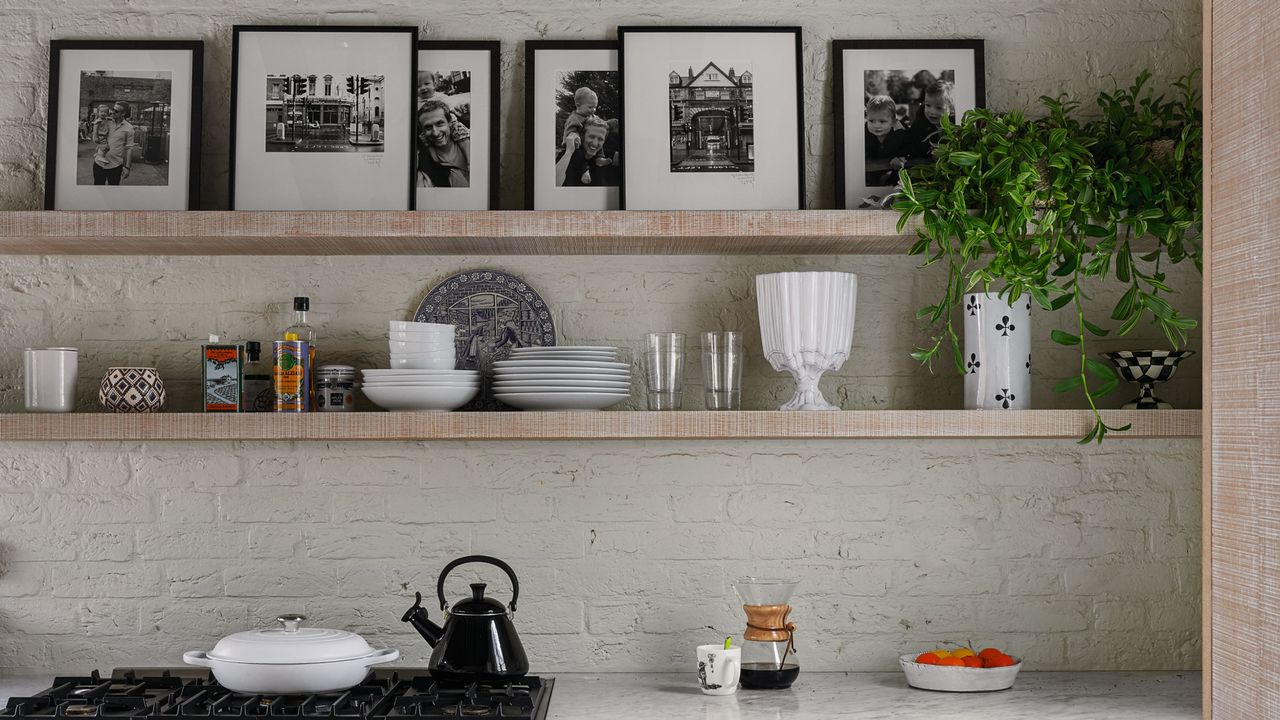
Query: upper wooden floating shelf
[(622, 425), (780, 232)]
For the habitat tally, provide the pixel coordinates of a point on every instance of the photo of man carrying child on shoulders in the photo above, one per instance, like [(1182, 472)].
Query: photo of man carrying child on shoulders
[(588, 129), (904, 112), (443, 123)]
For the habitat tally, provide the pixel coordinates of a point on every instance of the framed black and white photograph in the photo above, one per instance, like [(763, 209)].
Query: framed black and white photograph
[(456, 125), (124, 125), (890, 100), (322, 118), (573, 125), (714, 118)]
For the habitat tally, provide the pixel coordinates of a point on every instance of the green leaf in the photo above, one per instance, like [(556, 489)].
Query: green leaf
[(1158, 306), (926, 311), (1099, 369), (1127, 305), (963, 158), (1061, 302), (922, 355), (1069, 384), (1064, 338), (1105, 389), (1099, 331), (1124, 264)]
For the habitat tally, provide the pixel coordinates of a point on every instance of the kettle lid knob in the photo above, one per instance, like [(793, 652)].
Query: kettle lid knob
[(477, 591)]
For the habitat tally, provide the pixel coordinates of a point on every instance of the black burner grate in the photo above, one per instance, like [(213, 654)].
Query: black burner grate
[(174, 693)]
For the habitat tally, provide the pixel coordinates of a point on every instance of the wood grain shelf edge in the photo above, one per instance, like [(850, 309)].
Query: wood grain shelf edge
[(620, 425)]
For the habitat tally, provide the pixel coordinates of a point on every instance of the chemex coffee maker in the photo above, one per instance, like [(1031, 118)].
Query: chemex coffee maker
[(768, 648)]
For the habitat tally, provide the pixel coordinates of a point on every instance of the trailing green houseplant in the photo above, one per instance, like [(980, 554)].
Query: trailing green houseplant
[(1054, 206)]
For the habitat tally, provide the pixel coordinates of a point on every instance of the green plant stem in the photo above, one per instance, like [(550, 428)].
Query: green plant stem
[(1099, 427)]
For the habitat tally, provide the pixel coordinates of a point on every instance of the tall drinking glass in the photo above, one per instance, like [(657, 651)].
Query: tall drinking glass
[(664, 370), (722, 370)]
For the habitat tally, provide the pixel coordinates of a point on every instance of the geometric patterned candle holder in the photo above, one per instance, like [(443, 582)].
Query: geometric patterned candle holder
[(131, 390), (1146, 368)]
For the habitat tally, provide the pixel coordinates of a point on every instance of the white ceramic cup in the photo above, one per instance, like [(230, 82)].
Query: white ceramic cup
[(49, 376), (718, 669)]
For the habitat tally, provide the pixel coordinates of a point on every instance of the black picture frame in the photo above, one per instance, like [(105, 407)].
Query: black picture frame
[(531, 136), (838, 47), (57, 47), (412, 65), (494, 48), (796, 31)]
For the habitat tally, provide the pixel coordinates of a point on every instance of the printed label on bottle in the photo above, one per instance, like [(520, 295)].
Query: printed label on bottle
[(290, 360)]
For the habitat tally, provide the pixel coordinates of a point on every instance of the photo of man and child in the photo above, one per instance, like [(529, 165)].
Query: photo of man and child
[(588, 129), (904, 112), (123, 129), (443, 129)]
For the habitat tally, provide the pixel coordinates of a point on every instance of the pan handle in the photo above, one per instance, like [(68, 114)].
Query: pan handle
[(197, 657), (383, 656)]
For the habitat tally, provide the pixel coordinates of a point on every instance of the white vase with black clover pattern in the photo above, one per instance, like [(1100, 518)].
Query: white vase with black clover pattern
[(131, 390), (997, 352)]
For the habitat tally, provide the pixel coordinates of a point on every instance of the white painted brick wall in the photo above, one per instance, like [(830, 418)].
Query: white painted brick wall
[(625, 577), (118, 553)]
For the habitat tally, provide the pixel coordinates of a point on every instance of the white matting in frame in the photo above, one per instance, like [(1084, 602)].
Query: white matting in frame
[(476, 195), (653, 180), (173, 195), (548, 67), (856, 63), (346, 180)]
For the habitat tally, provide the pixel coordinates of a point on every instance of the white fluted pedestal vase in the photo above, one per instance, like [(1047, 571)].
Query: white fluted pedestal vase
[(806, 328), (997, 352)]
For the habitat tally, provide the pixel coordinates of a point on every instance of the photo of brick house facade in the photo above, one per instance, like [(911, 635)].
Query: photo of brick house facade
[(712, 120)]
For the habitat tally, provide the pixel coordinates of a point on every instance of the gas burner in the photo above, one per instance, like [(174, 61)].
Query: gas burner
[(192, 694)]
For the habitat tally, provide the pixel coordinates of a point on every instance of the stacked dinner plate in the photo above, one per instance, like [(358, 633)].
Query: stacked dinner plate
[(421, 390), (422, 346), (562, 378)]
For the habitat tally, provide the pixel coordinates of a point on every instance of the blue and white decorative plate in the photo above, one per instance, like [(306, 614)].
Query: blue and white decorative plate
[(494, 312)]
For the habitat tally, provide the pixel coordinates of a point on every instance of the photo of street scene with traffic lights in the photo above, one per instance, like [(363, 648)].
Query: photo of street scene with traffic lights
[(325, 112), (712, 119), (123, 127)]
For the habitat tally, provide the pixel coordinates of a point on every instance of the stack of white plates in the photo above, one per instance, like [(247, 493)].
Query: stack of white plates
[(422, 346), (562, 378), (425, 390)]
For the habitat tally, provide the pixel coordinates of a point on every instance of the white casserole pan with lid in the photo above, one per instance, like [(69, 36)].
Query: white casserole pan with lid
[(290, 659)]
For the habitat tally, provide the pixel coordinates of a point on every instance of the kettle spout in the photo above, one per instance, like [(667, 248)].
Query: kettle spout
[(417, 617)]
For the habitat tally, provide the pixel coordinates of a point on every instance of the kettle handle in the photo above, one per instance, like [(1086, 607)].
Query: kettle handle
[(515, 584)]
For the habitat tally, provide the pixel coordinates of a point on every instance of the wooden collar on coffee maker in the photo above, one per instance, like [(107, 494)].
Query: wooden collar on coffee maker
[(768, 623)]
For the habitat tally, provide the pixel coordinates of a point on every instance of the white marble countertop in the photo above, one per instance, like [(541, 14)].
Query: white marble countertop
[(845, 696)]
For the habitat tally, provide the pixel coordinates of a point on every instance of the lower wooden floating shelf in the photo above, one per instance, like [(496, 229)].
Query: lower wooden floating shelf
[(621, 425)]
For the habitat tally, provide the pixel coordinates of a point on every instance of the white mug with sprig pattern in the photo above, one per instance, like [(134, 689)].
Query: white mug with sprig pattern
[(997, 352), (719, 667)]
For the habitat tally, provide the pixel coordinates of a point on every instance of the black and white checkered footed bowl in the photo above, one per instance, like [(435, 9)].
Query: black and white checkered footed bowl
[(1147, 367), (131, 390)]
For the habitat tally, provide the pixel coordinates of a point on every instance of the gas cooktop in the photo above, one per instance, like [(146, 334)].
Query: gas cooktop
[(161, 693)]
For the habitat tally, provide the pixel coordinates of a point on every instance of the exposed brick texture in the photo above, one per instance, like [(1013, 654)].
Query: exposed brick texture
[(115, 553)]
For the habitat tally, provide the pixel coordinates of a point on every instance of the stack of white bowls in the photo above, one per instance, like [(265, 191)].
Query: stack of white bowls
[(422, 376), (562, 378), (422, 346), (421, 390)]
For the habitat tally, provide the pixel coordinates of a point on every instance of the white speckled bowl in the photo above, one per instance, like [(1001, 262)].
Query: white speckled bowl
[(948, 678)]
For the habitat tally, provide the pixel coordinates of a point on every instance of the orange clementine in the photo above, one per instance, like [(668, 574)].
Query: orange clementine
[(988, 652), (928, 658), (951, 661), (1000, 660), (972, 661)]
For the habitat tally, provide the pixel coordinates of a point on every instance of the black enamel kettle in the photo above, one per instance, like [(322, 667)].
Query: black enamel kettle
[(478, 640)]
